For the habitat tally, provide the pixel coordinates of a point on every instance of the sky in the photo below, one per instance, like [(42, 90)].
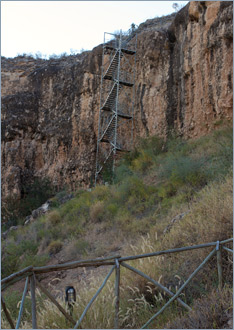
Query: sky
[(55, 27)]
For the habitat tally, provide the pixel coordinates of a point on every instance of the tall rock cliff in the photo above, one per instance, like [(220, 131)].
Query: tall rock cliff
[(50, 107)]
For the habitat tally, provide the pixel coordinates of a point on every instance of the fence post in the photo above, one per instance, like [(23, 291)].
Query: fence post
[(22, 304), (33, 299), (117, 281), (219, 264), (94, 297), (9, 319)]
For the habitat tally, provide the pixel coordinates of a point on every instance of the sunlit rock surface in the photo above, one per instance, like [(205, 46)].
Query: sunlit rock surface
[(50, 107)]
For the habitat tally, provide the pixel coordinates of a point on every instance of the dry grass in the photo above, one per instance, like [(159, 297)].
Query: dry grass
[(96, 211), (210, 219), (212, 312)]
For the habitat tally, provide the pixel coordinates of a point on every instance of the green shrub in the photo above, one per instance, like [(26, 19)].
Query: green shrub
[(143, 162), (14, 254), (122, 172), (175, 144), (54, 217), (54, 247), (97, 211), (76, 248), (100, 193), (129, 157), (107, 173), (34, 260), (148, 149), (222, 157), (112, 209), (152, 145), (76, 208), (133, 186), (182, 170)]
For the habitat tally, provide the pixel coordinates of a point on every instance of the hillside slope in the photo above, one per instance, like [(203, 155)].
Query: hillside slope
[(166, 195)]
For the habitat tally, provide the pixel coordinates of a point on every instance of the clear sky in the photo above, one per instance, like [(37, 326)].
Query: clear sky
[(55, 27)]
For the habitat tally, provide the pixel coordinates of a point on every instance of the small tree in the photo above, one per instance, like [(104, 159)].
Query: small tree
[(176, 6)]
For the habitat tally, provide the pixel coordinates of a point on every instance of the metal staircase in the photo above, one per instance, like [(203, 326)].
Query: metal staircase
[(116, 101)]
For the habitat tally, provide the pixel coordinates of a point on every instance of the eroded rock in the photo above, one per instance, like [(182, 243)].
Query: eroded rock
[(50, 107)]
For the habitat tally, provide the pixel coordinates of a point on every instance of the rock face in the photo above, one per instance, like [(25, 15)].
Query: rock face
[(49, 126), (50, 107), (185, 73)]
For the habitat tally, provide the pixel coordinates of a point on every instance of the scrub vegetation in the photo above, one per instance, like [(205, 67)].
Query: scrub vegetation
[(153, 184)]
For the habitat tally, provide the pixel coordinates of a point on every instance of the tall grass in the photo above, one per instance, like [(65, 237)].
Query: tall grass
[(139, 299), (153, 184)]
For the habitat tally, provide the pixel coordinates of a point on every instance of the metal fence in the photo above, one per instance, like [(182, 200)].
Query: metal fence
[(31, 273)]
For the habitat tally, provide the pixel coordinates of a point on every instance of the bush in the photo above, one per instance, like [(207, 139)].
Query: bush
[(122, 172), (54, 247), (134, 187), (112, 209), (54, 217), (76, 248), (34, 260), (152, 145), (15, 254), (148, 149), (100, 193), (97, 211), (143, 162), (183, 170)]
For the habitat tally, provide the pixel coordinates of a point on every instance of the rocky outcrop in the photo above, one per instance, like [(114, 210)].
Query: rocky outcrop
[(49, 128), (50, 107), (185, 82)]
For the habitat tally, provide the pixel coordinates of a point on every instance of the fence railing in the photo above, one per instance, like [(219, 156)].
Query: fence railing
[(30, 273)]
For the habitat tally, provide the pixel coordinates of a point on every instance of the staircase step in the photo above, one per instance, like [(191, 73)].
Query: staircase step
[(113, 65), (111, 97), (123, 50)]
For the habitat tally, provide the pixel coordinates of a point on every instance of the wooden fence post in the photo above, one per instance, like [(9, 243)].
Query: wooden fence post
[(160, 286), (22, 304), (181, 289), (117, 282), (94, 297), (33, 300), (219, 265), (9, 319)]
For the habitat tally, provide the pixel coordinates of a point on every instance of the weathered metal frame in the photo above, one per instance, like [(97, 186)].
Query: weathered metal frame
[(103, 156), (116, 262)]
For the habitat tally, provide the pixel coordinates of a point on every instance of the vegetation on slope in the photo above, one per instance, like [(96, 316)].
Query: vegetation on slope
[(153, 184)]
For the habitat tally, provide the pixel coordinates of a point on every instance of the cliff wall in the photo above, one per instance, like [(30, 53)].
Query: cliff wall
[(50, 107)]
